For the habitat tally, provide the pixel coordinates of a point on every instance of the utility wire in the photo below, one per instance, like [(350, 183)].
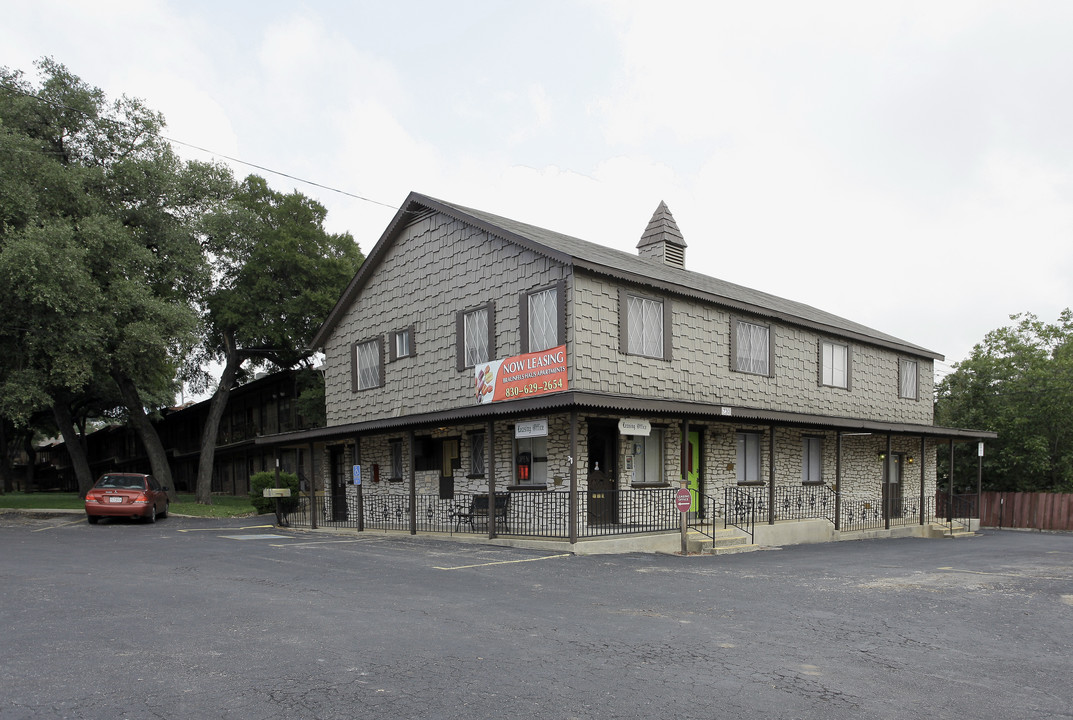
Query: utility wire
[(19, 91)]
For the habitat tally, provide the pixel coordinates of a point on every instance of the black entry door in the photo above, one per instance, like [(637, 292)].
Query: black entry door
[(339, 484), (602, 473)]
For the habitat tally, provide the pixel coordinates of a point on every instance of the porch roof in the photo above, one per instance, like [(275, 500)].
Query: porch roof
[(603, 402)]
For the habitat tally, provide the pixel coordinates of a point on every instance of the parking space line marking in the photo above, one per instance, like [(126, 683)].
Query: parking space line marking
[(248, 527), (998, 574), (501, 562), (53, 527), (317, 542)]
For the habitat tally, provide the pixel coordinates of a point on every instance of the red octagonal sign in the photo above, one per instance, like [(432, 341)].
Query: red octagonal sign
[(683, 500)]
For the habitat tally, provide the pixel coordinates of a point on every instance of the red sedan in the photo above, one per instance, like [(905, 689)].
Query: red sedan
[(127, 495)]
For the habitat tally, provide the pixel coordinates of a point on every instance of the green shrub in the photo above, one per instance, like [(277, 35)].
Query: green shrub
[(260, 481)]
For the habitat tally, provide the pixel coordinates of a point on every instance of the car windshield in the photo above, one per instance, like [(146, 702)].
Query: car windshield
[(121, 482)]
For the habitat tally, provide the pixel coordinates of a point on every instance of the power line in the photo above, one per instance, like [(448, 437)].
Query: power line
[(176, 141)]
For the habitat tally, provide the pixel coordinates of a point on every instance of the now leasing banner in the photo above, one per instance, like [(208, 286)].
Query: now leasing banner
[(521, 376)]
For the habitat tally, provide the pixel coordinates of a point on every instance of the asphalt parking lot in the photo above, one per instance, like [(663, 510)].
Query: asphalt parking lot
[(238, 619)]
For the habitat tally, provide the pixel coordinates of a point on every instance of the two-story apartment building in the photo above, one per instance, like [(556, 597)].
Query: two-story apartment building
[(473, 355)]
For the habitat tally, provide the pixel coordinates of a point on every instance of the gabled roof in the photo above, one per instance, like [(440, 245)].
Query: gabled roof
[(618, 265)]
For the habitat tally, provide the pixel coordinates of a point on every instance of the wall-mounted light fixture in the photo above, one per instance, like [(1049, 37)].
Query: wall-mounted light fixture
[(883, 455), (909, 460)]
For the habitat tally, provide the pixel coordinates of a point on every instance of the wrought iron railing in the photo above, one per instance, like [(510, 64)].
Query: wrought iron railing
[(957, 510), (703, 519), (740, 510), (529, 514)]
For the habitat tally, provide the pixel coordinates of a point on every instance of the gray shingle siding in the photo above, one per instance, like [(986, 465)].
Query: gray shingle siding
[(699, 370), (436, 267)]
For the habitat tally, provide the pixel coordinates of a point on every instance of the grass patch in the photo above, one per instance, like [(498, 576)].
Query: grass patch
[(223, 506)]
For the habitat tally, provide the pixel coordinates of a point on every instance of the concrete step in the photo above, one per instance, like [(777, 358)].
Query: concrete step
[(726, 542)]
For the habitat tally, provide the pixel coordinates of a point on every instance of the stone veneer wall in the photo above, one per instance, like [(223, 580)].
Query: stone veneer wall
[(861, 466)]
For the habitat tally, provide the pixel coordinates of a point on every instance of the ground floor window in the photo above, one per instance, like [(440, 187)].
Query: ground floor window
[(531, 461), (748, 460), (646, 454), (811, 460), (395, 447), (476, 455)]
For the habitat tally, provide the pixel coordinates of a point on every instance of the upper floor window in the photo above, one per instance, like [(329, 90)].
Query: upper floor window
[(368, 364), (475, 330), (834, 364), (644, 326), (908, 379), (402, 344), (542, 314), (752, 347)]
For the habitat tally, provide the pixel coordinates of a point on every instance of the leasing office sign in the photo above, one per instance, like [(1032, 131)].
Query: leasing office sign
[(521, 376)]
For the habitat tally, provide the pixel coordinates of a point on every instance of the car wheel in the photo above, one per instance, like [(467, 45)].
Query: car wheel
[(92, 519), (151, 517), (167, 507)]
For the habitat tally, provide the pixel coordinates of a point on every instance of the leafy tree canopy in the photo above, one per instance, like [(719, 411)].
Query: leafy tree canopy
[(1018, 382)]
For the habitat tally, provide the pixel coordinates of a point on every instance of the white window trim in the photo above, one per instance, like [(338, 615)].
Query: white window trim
[(828, 367)]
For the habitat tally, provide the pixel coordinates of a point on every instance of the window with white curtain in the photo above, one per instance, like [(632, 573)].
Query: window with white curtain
[(908, 375), (835, 362), (543, 320), (368, 358), (812, 460), (748, 460), (644, 326), (752, 348), (648, 457), (476, 331)]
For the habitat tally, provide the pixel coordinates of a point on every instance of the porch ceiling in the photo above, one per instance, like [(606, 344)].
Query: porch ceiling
[(599, 402)]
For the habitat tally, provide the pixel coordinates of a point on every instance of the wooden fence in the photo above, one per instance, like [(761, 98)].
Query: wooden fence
[(1039, 511)]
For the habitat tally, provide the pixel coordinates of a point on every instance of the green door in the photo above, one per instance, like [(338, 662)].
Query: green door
[(693, 470)]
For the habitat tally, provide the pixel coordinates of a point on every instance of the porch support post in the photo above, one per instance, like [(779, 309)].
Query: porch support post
[(413, 484), (838, 480), (950, 487), (771, 476), (888, 501), (279, 514), (923, 464), (361, 488), (490, 471), (312, 489), (572, 508), (685, 458)]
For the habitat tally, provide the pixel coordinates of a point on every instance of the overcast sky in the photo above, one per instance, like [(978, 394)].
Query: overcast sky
[(906, 165)]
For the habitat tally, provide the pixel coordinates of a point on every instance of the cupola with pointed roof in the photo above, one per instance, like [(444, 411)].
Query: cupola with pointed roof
[(662, 241)]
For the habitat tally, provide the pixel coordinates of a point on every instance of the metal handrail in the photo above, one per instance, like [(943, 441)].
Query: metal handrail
[(739, 510)]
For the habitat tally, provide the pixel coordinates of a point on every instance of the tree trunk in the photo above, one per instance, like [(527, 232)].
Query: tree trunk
[(75, 449), (7, 472), (217, 406), (154, 449)]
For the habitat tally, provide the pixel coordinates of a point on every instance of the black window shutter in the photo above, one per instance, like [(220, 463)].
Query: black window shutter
[(460, 340), (667, 316), (523, 317), (560, 312), (354, 366)]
